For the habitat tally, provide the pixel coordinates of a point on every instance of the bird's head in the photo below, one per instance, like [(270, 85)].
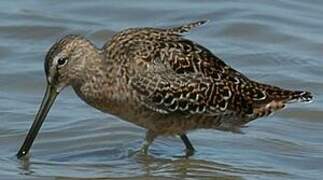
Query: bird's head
[(66, 59), (64, 63)]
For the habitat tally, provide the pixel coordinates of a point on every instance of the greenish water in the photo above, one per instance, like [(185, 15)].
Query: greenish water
[(278, 42)]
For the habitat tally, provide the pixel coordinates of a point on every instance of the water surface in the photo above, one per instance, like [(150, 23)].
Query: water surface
[(278, 42)]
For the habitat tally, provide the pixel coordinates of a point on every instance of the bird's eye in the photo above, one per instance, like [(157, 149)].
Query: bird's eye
[(62, 61)]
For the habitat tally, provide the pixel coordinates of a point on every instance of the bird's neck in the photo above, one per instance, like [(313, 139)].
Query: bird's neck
[(99, 84)]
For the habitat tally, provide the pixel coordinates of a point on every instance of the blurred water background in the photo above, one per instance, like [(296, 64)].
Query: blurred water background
[(278, 42)]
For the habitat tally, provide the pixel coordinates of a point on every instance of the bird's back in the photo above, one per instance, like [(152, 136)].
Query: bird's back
[(168, 74)]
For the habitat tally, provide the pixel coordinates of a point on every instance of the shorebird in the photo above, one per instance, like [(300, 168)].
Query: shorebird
[(159, 80)]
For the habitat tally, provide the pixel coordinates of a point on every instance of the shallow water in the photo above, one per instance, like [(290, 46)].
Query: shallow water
[(278, 42)]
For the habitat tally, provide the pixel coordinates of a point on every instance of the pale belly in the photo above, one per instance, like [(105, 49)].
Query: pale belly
[(175, 123), (160, 123)]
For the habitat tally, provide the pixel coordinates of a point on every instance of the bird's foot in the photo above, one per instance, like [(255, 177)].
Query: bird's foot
[(143, 151), (189, 152), (137, 152)]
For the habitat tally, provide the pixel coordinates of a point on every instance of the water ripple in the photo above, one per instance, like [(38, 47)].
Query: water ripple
[(277, 42)]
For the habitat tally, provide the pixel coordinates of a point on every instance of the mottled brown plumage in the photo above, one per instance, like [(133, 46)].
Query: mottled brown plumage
[(159, 80)]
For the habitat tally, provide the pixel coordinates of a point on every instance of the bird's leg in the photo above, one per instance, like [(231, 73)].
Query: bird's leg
[(149, 138), (189, 147)]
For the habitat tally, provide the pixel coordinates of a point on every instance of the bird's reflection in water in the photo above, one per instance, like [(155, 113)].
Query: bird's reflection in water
[(184, 167), (131, 167), (24, 166), (119, 163)]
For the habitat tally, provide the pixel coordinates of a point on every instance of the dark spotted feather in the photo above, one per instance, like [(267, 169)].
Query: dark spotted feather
[(174, 74)]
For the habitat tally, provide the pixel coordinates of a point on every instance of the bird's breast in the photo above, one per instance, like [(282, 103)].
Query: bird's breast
[(122, 105)]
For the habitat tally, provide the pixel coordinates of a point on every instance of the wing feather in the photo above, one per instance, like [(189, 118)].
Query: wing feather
[(170, 73), (166, 91)]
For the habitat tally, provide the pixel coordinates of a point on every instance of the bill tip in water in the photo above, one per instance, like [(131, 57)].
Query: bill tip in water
[(21, 154)]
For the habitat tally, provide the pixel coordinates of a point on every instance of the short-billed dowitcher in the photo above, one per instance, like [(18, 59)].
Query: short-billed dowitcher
[(159, 80)]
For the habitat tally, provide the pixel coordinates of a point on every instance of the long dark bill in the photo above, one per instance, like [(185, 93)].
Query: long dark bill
[(47, 102)]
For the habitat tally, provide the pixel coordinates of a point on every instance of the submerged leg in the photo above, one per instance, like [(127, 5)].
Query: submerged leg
[(149, 138), (189, 147)]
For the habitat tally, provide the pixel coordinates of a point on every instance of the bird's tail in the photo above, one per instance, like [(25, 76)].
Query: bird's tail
[(301, 96), (288, 96), (274, 98), (186, 27)]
